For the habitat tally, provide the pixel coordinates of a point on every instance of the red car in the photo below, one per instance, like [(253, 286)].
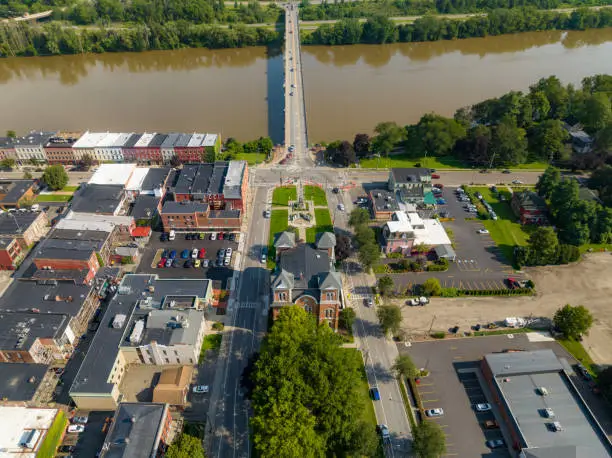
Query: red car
[(161, 263), (435, 176), (202, 253), (220, 236)]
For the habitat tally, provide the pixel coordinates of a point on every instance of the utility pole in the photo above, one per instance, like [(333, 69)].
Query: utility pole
[(431, 326)]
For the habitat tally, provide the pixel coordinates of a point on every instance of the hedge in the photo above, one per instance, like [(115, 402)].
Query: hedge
[(454, 292)]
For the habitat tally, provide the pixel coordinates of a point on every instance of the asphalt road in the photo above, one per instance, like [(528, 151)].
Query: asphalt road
[(229, 408)]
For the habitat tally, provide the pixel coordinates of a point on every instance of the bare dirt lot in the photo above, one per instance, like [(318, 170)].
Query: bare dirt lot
[(587, 283)]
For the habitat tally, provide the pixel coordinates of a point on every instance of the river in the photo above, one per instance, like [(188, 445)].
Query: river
[(237, 91)]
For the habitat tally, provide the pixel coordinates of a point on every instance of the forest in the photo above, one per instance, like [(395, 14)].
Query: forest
[(380, 29), (360, 9)]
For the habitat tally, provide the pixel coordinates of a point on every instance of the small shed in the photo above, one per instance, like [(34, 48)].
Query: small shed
[(446, 252)]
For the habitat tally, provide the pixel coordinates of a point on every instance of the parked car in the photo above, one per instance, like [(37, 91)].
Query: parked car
[(583, 372), (263, 258), (205, 262), (267, 213), (482, 407), (506, 171), (200, 389), (213, 236), (196, 263), (76, 429), (434, 412), (336, 190), (66, 448), (80, 420), (368, 302), (185, 254), (497, 443), (163, 237), (517, 182), (175, 262), (161, 263), (173, 254), (194, 253), (483, 231), (341, 207), (440, 201), (202, 235), (232, 237), (435, 176), (375, 394), (383, 430), (169, 262), (491, 424), (202, 253)]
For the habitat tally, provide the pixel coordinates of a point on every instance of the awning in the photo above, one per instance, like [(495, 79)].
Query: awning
[(143, 231), (429, 199)]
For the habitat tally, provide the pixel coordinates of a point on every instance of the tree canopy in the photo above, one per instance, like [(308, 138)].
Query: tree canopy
[(390, 318), (55, 177), (404, 367), (305, 397), (573, 321), (186, 446), (385, 285), (428, 440)]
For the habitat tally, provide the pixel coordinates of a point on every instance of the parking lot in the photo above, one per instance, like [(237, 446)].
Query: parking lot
[(455, 384), (89, 442), (155, 248)]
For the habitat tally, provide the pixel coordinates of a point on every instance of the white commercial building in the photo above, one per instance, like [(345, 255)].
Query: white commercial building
[(23, 430), (118, 174), (87, 144)]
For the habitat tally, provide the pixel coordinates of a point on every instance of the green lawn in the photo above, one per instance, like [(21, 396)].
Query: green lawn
[(577, 350), (283, 194), (211, 342), (52, 438), (53, 198), (316, 194), (323, 223), (595, 247), (69, 188), (279, 222), (407, 160), (505, 232), (251, 158)]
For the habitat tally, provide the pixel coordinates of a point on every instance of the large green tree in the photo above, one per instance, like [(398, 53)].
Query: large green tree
[(596, 112), (405, 367), (55, 177), (547, 139), (347, 318), (186, 446), (509, 143), (439, 134), (369, 254), (358, 217), (428, 440), (544, 245), (385, 285), (390, 318), (388, 135), (305, 397), (431, 287), (573, 321), (548, 181)]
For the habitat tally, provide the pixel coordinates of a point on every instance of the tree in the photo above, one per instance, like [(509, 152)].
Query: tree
[(364, 234), (87, 161), (55, 177), (368, 254), (547, 139), (603, 138), (556, 94), (544, 243), (389, 135), (596, 112), (509, 143), (11, 134), (385, 285), (563, 198), (548, 181), (186, 446), (175, 161), (601, 180), (347, 318), (431, 287), (358, 217), (8, 163), (344, 247), (439, 134), (361, 144), (344, 154), (265, 145), (379, 29), (27, 175), (390, 318), (573, 321), (428, 440), (305, 398), (404, 367)]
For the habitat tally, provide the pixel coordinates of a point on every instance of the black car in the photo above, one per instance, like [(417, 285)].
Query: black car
[(164, 254), (335, 190), (66, 448), (163, 237), (188, 263), (232, 237)]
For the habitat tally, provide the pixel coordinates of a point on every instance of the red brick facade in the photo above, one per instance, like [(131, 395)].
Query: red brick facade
[(10, 255), (91, 264)]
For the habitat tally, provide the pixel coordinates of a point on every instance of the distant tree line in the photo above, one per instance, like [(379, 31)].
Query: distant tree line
[(513, 129), (380, 29), (52, 39), (364, 9)]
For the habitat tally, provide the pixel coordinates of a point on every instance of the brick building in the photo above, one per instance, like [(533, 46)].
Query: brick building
[(11, 253), (27, 227), (58, 150), (383, 204), (13, 193), (31, 148), (529, 207), (306, 277), (194, 217)]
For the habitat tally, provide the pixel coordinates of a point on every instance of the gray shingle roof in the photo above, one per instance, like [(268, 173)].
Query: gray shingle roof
[(326, 240), (285, 240), (305, 264)]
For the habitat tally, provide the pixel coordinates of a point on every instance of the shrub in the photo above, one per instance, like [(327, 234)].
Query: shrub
[(218, 326), (438, 335), (395, 255), (450, 292)]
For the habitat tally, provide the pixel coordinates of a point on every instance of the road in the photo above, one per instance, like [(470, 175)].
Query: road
[(296, 135), (229, 409), (379, 352)]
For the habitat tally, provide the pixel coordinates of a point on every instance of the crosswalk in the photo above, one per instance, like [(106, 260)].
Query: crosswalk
[(248, 305)]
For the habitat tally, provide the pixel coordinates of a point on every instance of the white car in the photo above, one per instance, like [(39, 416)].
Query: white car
[(434, 412), (213, 236), (483, 231), (517, 182), (482, 407), (228, 252), (267, 214), (194, 254), (76, 429), (200, 389), (341, 207), (263, 258)]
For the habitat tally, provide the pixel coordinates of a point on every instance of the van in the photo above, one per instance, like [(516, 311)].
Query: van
[(172, 235)]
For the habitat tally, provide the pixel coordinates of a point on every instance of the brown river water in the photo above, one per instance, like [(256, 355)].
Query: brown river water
[(238, 92)]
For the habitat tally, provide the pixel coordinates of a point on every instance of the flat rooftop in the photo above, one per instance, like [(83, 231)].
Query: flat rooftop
[(19, 330), (13, 190), (19, 382), (114, 174), (518, 382), (15, 421), (134, 433), (89, 140), (143, 291), (383, 200), (16, 223), (92, 222), (203, 179), (98, 198), (166, 327)]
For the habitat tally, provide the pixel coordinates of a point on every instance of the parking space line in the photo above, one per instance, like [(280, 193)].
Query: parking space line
[(426, 392), (431, 400), (426, 384)]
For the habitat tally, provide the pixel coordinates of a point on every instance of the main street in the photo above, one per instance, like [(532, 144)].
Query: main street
[(229, 414)]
